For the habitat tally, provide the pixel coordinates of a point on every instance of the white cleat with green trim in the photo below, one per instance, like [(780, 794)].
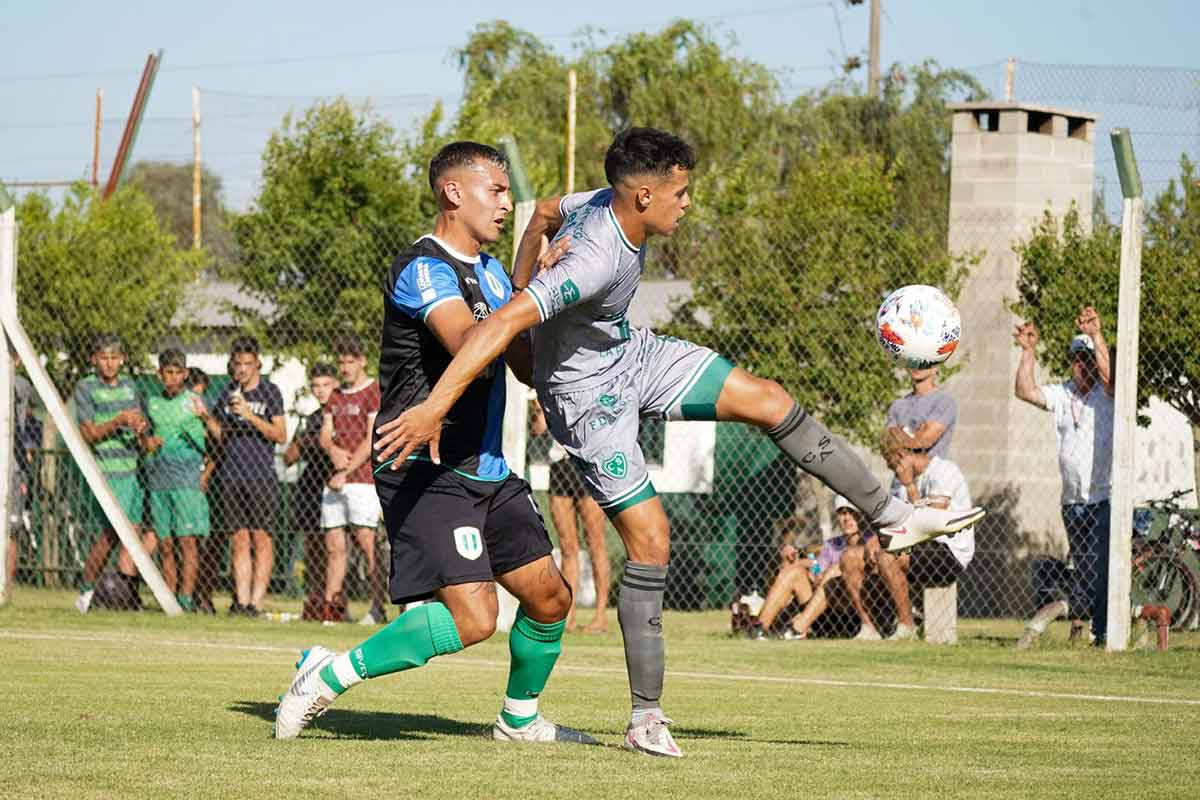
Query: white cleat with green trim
[(307, 698), (540, 730)]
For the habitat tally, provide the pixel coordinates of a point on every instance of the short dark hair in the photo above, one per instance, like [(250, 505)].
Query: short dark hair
[(461, 154), (172, 357), (322, 369), (244, 344), (107, 341), (197, 375), (646, 151), (348, 345)]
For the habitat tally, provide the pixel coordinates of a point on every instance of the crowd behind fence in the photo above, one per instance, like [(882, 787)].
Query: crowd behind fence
[(745, 521)]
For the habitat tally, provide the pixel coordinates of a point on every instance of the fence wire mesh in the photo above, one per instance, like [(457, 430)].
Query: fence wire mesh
[(788, 294)]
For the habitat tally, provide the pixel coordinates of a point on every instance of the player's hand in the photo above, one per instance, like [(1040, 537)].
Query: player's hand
[(1026, 336), (1088, 322), (404, 435), (551, 255)]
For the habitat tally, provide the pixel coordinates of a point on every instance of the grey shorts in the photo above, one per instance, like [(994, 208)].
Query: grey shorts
[(598, 427)]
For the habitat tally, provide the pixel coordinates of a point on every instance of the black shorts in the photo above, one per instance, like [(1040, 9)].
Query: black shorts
[(446, 529), (248, 505), (932, 564), (565, 480)]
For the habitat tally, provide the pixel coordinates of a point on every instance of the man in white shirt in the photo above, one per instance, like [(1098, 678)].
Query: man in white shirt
[(1083, 423), (938, 482)]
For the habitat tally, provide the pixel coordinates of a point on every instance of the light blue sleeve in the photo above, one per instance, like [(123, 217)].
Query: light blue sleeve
[(424, 285)]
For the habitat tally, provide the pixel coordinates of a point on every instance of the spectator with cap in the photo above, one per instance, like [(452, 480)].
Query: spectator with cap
[(1083, 423)]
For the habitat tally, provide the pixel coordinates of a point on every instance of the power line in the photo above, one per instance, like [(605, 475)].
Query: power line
[(349, 55)]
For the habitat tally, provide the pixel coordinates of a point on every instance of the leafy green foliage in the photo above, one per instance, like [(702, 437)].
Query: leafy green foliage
[(1064, 267), (169, 187), (336, 205), (94, 266)]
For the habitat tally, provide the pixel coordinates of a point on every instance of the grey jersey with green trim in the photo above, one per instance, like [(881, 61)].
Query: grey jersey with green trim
[(583, 340)]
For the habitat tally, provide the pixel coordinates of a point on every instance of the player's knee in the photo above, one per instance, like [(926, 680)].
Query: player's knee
[(774, 402), (474, 626)]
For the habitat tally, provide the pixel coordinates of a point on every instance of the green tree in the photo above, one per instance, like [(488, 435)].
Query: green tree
[(93, 266), (169, 187), (800, 275), (336, 206), (1064, 267)]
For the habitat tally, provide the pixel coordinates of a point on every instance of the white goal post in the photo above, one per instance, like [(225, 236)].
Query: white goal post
[(57, 409)]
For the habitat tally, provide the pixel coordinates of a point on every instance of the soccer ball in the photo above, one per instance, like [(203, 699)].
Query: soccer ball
[(918, 326)]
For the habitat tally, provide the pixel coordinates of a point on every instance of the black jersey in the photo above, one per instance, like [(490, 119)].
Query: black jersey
[(412, 359)]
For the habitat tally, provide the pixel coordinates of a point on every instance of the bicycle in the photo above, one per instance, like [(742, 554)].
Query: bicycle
[(1161, 574)]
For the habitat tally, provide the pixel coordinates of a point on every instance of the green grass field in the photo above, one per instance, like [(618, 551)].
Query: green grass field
[(113, 705)]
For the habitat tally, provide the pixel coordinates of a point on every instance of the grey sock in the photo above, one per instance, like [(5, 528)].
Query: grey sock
[(818, 452), (639, 610)]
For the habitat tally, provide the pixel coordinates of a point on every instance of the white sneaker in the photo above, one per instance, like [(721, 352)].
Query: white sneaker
[(903, 633), (650, 736), (84, 601), (927, 522), (1040, 621), (867, 633), (307, 698), (540, 730)]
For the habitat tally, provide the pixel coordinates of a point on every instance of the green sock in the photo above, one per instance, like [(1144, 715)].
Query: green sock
[(185, 602), (533, 647), (87, 586), (409, 641)]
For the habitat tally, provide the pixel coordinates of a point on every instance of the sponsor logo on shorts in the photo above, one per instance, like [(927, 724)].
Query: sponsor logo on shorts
[(599, 421), (468, 542), (612, 403), (616, 466), (569, 292)]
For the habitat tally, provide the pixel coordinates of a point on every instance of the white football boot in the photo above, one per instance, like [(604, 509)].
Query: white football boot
[(307, 698), (540, 730), (650, 736), (925, 523)]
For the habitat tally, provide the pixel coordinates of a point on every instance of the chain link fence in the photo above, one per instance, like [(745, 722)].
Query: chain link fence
[(789, 295)]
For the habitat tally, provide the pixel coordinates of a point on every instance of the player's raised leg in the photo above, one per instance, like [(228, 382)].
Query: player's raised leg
[(728, 393)]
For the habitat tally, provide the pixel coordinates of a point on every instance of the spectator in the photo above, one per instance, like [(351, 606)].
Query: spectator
[(198, 382), (1083, 423), (250, 410), (349, 498), (920, 476), (109, 411), (175, 443), (800, 577), (306, 494), (568, 498), (925, 418)]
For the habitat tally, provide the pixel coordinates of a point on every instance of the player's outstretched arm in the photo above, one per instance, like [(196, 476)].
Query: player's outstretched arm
[(545, 222), (482, 344)]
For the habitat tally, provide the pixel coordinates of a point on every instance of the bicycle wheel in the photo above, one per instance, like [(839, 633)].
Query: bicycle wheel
[(1163, 580)]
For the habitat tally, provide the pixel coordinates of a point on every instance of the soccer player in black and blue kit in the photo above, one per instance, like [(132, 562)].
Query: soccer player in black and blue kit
[(596, 376), (457, 527)]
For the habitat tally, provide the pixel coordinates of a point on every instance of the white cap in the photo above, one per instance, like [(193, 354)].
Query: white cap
[(840, 502)]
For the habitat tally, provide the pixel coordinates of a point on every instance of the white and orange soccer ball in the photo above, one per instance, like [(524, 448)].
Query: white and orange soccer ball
[(918, 326)]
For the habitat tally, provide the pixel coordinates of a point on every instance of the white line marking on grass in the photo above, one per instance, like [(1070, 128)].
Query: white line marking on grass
[(467, 661)]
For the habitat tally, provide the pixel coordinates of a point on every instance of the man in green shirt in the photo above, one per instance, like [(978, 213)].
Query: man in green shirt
[(109, 411), (175, 460)]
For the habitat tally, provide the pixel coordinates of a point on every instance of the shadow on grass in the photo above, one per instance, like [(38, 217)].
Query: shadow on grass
[(378, 725), (684, 733)]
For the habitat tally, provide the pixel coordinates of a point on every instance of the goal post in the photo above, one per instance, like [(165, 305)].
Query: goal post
[(57, 409), (1125, 374)]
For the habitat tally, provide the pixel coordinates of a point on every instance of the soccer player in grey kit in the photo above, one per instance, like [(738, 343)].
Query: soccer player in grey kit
[(596, 376)]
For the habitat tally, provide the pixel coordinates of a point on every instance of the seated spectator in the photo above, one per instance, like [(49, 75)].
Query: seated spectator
[(921, 477), (306, 494), (808, 578)]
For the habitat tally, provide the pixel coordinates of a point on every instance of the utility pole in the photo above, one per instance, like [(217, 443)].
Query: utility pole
[(96, 141), (873, 56), (196, 168)]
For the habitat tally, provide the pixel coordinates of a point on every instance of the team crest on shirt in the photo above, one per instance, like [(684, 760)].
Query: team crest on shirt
[(468, 542), (481, 311), (569, 292), (616, 466)]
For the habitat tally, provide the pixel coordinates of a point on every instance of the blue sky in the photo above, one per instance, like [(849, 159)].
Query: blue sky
[(254, 60)]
